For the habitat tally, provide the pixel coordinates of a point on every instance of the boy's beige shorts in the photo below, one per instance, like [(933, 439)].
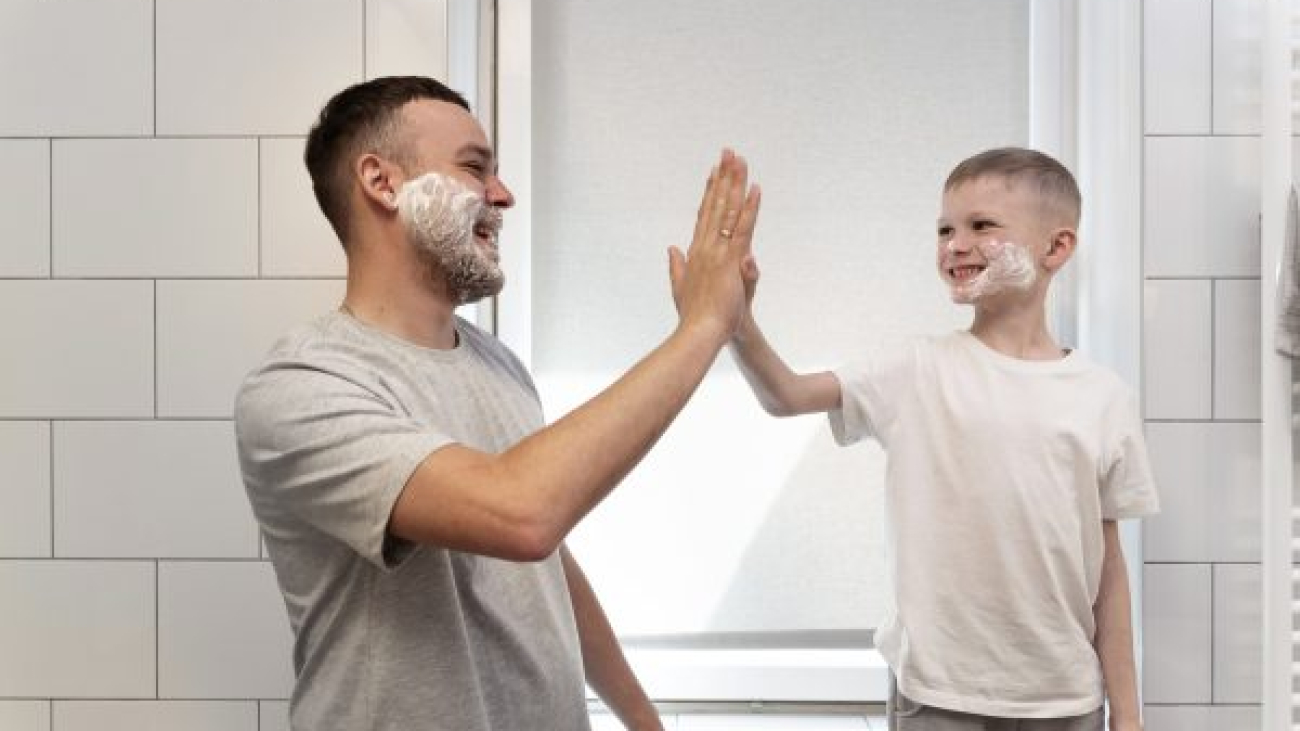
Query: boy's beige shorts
[(906, 714)]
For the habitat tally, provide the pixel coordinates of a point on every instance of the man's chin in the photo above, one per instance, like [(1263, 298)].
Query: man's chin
[(480, 291)]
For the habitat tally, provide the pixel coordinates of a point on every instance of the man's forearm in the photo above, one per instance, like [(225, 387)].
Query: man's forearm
[(608, 672)]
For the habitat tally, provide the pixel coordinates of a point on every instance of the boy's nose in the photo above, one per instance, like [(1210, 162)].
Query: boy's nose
[(958, 245)]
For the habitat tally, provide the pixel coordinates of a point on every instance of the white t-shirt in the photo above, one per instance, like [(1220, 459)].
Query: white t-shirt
[(999, 474)]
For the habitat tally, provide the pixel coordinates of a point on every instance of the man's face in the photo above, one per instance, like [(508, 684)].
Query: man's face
[(989, 239), (452, 204)]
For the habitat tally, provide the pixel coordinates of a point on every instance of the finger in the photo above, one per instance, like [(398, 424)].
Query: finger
[(748, 219), (735, 198), (702, 215), (721, 194)]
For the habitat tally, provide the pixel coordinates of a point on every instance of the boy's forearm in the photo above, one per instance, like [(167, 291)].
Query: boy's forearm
[(1114, 640), (780, 390)]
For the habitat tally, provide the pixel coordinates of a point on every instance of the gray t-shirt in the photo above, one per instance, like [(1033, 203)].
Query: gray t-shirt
[(390, 635)]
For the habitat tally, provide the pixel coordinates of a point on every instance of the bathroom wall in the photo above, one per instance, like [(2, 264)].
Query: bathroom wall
[(1201, 363), (157, 231)]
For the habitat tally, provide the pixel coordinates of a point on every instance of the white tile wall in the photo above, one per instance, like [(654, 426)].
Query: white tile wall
[(76, 67), (155, 208), (1176, 56), (1176, 621), (1237, 31), (1179, 718), (1177, 349), (25, 715), (297, 240), (222, 631), (1231, 718), (145, 140), (24, 207), (274, 715), (114, 479), (77, 629), (25, 489), (1208, 475), (87, 349), (1200, 231), (1236, 349), (211, 333), (1201, 207), (241, 67), (1238, 618), (1202, 718), (397, 38), (155, 716)]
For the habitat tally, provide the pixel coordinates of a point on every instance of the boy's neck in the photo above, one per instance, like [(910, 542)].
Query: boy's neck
[(1016, 332)]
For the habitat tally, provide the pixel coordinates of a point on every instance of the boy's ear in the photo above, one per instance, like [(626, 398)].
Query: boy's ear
[(1060, 249)]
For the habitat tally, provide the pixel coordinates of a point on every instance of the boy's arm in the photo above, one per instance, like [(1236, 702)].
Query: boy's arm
[(781, 391), (1114, 641)]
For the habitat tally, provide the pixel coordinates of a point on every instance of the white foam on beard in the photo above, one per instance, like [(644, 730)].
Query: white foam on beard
[(1010, 267), (440, 216)]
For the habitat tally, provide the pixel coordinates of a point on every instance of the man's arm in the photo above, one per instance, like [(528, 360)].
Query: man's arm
[(607, 670), (1114, 641), (519, 505)]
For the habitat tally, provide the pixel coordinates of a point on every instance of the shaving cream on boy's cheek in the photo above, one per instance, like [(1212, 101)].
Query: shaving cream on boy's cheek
[(442, 216), (1008, 266)]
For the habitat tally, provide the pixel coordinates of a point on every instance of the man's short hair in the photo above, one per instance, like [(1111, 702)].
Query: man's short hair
[(1048, 179), (362, 119)]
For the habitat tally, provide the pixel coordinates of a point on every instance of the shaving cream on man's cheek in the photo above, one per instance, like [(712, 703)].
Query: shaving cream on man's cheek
[(1009, 267), (438, 208), (442, 216)]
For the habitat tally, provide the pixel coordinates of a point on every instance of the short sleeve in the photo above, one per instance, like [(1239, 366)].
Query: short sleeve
[(316, 447), (870, 389), (1128, 487)]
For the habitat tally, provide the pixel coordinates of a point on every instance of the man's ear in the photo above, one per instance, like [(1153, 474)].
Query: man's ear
[(1060, 248), (379, 180)]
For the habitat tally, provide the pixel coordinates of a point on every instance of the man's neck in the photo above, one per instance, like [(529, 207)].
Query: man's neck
[(403, 306)]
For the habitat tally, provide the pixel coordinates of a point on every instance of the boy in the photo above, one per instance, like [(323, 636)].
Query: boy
[(1009, 461)]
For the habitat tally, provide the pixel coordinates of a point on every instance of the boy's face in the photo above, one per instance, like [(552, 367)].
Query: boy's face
[(991, 239)]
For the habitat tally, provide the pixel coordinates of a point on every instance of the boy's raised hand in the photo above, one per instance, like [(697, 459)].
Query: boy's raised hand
[(714, 280)]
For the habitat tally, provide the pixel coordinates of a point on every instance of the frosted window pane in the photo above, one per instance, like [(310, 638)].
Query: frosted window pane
[(851, 114)]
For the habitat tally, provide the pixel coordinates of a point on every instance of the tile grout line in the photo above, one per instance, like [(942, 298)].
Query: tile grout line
[(50, 435), (1214, 361)]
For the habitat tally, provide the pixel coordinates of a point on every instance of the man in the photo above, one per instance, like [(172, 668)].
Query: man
[(412, 501)]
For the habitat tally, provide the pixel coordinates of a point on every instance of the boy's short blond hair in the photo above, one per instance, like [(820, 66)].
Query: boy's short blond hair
[(1042, 174)]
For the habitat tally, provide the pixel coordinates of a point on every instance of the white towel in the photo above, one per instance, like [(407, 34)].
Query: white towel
[(1287, 332)]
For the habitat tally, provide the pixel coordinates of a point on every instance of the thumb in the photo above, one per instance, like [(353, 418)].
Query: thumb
[(676, 272)]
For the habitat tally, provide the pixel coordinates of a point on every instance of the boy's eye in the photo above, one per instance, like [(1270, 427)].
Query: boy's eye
[(945, 232), (982, 225)]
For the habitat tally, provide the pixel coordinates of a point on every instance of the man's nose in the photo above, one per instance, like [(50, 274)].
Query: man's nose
[(497, 194)]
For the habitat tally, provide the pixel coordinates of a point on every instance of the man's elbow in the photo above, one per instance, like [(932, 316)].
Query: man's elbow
[(531, 538)]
